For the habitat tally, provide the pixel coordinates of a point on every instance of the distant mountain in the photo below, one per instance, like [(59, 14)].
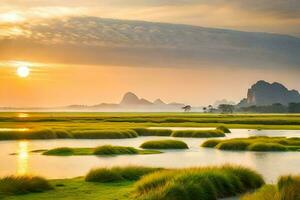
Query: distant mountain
[(264, 93), (159, 102)]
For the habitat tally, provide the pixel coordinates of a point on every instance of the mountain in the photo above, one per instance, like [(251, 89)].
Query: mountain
[(264, 93), (159, 102)]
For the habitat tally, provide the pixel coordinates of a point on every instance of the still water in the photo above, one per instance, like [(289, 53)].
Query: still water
[(269, 164)]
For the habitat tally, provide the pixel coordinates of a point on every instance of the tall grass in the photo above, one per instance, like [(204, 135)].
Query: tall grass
[(255, 144), (16, 185), (198, 133), (114, 150), (164, 144), (287, 188), (129, 173), (197, 183), (153, 132), (104, 134)]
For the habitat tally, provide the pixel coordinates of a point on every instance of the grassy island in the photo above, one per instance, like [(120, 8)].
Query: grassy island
[(164, 144), (255, 144), (105, 150)]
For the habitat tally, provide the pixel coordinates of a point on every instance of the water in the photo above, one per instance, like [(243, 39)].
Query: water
[(270, 164)]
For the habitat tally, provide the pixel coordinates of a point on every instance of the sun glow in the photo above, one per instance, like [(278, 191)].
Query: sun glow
[(23, 71)]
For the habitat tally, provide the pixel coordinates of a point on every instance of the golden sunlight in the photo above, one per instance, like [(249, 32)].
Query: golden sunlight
[(23, 71), (22, 158)]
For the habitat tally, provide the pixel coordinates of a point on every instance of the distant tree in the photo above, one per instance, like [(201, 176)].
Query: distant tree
[(204, 109), (210, 108), (226, 108), (294, 108), (187, 108)]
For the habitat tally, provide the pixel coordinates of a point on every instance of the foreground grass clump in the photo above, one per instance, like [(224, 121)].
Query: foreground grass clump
[(164, 144), (104, 134), (255, 144), (198, 133), (197, 183), (105, 150), (153, 132), (287, 188), (17, 185), (129, 173)]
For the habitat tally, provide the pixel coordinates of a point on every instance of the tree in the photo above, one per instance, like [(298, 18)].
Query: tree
[(294, 108), (210, 108), (204, 109), (226, 108), (187, 108)]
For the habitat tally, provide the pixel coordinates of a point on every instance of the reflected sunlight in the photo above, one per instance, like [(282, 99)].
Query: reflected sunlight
[(22, 167)]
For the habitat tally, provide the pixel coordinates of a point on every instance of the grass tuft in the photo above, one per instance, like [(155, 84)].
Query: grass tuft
[(129, 173), (197, 183), (198, 133), (114, 150), (17, 185), (256, 143), (164, 144), (153, 132), (61, 151), (287, 188), (224, 129), (104, 134)]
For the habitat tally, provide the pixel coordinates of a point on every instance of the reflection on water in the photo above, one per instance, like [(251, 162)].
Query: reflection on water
[(23, 155), (13, 129), (270, 164), (23, 115)]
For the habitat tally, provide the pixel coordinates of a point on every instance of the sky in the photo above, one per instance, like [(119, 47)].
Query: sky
[(93, 51)]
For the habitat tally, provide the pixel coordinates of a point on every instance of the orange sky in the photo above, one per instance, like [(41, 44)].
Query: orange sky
[(58, 85), (77, 56)]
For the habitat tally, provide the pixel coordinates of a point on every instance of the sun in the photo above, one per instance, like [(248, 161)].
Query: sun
[(23, 71)]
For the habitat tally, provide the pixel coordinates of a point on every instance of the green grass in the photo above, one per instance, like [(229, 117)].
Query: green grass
[(224, 129), (287, 188), (255, 144), (104, 134), (72, 189), (126, 125), (208, 183), (105, 150), (129, 173), (17, 185), (164, 144), (153, 132), (198, 133)]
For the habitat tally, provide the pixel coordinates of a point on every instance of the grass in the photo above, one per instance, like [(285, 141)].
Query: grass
[(197, 183), (105, 150), (224, 129), (153, 132), (104, 134), (17, 185), (198, 133), (164, 144), (128, 125), (71, 189), (129, 173), (255, 144), (287, 188)]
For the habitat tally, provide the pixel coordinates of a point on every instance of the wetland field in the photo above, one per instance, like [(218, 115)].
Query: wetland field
[(133, 154)]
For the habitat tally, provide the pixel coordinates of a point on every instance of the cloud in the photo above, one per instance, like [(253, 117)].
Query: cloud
[(280, 16), (98, 41)]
